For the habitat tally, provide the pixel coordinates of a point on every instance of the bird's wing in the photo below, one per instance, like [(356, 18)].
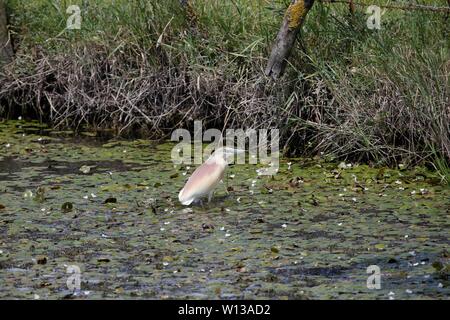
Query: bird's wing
[(201, 182)]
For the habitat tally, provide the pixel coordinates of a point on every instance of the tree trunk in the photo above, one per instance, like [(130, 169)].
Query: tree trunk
[(292, 23), (6, 51)]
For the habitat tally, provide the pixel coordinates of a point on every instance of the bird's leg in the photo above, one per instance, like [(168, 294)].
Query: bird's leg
[(210, 196), (226, 185)]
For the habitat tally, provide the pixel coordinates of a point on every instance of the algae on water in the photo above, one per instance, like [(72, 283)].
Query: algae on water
[(312, 236)]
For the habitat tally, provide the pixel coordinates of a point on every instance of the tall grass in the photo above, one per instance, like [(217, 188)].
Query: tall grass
[(148, 66)]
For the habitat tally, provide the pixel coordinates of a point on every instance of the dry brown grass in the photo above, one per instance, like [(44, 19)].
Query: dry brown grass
[(380, 97)]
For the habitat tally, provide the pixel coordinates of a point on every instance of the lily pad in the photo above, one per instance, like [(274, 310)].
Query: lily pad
[(67, 207)]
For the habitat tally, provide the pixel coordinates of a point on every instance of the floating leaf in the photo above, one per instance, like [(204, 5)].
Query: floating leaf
[(40, 194), (392, 260), (314, 201), (67, 207), (438, 265), (41, 259), (380, 174), (28, 194), (85, 169), (274, 249), (110, 200)]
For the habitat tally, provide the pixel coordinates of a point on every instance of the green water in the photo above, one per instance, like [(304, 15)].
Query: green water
[(111, 208)]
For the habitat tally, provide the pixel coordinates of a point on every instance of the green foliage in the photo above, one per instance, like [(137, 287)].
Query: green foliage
[(377, 95)]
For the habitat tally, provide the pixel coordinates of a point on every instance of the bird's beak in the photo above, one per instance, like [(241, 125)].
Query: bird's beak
[(229, 153), (235, 152)]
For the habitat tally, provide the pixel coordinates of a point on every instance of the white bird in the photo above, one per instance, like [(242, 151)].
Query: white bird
[(206, 177)]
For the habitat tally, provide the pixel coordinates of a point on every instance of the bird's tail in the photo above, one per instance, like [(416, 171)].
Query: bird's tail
[(183, 200)]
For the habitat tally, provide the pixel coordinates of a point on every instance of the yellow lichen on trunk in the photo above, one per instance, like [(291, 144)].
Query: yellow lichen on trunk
[(295, 13)]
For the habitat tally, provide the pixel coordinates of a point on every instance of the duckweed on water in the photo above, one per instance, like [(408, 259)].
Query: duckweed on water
[(309, 232)]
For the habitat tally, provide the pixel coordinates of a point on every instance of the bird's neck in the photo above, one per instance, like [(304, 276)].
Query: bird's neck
[(218, 159)]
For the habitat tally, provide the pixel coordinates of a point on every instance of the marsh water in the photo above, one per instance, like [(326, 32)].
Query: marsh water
[(310, 232)]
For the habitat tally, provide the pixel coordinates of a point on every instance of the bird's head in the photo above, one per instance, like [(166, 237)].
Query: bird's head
[(226, 153)]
